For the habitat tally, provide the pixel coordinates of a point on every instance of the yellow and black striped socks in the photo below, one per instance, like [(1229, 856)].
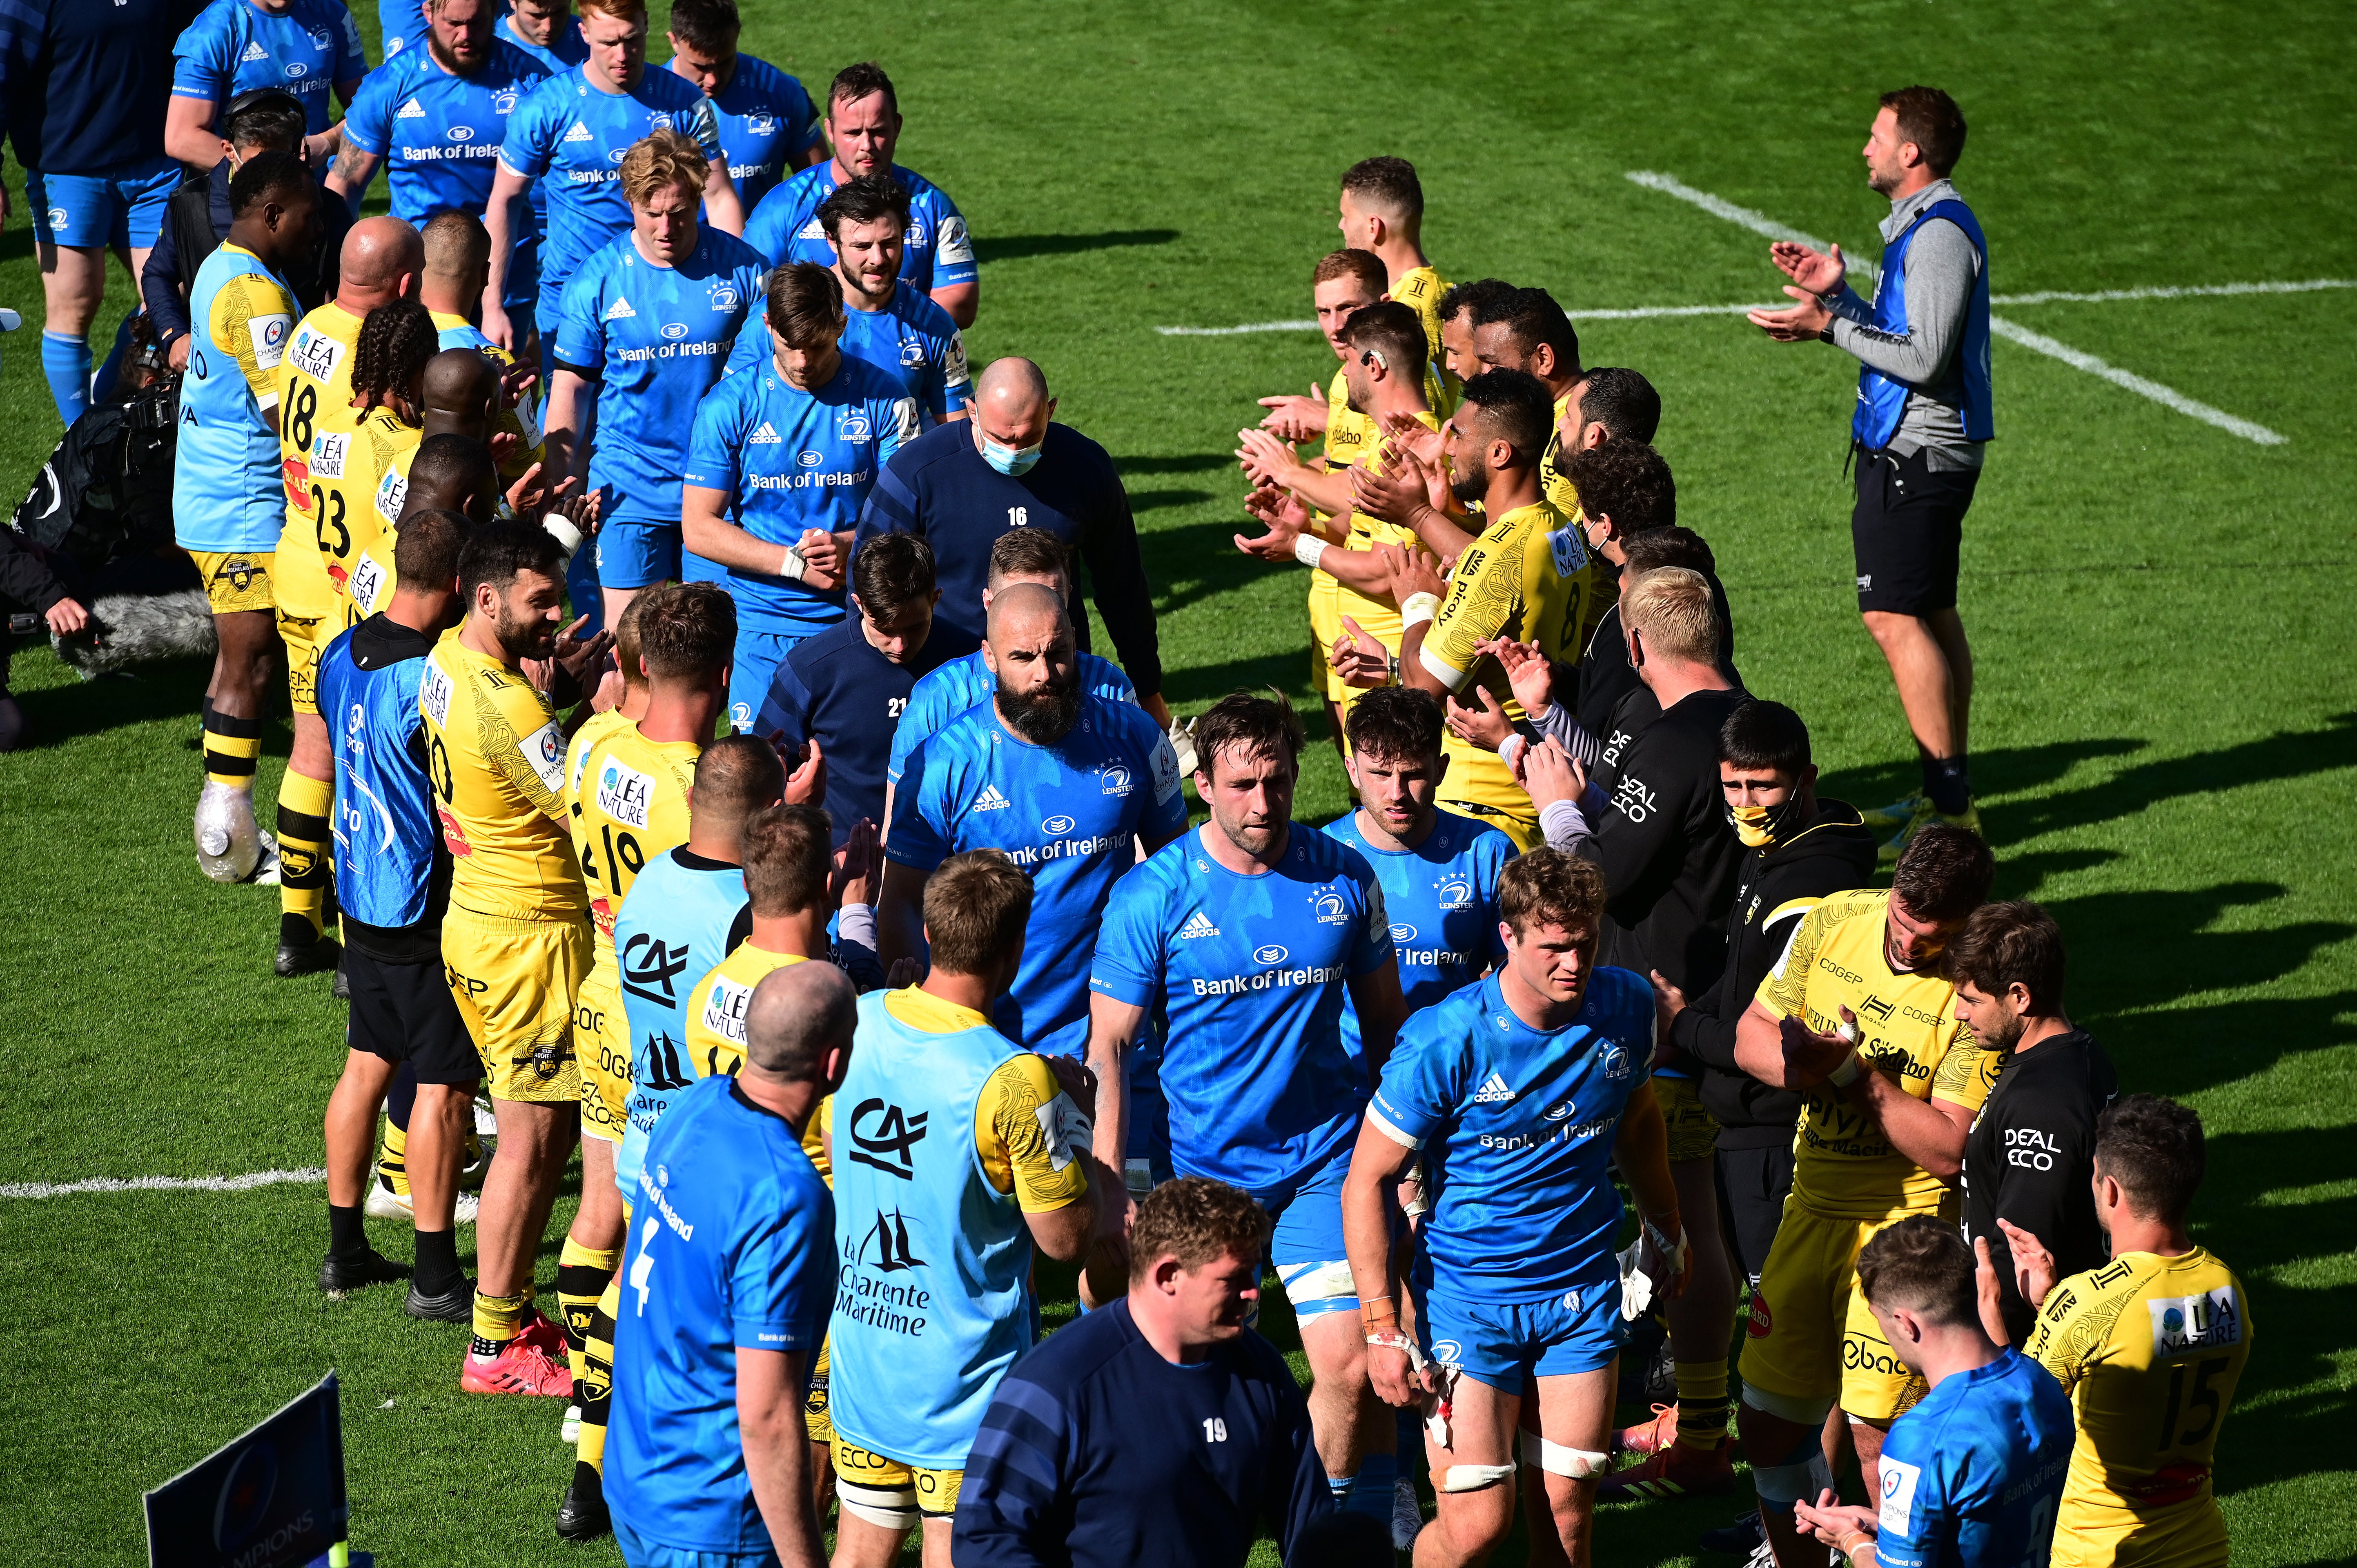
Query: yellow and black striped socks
[(304, 803), (392, 1159), (231, 747), (593, 1378), (582, 1276), (1702, 1404)]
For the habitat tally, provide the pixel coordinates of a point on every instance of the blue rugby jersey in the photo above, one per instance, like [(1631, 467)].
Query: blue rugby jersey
[(1066, 813), (656, 337), (235, 47), (1516, 1126), (731, 1248), (1443, 899), (1251, 973), (939, 252)]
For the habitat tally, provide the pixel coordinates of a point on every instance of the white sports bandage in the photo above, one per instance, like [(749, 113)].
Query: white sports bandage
[(1319, 1287), (1845, 1072), (792, 568), (1801, 1410), (1306, 548), (1556, 1459), (1636, 1285), (1418, 608), (1473, 1477), (560, 528), (1782, 1486), (884, 1507)]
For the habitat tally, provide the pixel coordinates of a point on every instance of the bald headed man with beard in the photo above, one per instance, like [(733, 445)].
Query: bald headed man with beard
[(961, 485), (1066, 783)]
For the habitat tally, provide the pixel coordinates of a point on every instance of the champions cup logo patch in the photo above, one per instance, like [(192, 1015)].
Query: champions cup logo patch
[(544, 749), (245, 1496)]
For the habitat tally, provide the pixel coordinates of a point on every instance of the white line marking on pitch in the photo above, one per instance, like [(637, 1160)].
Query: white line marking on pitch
[(2167, 397), (246, 1183)]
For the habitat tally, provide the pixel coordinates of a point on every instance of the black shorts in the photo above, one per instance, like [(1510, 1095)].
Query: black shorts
[(404, 1013), (1906, 531), (1752, 1186)]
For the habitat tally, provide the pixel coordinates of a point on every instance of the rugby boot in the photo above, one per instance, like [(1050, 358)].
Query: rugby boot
[(1897, 814), (582, 1515), (383, 1203), (304, 958), (456, 1305), (1969, 819), (1649, 1436), (518, 1368), (370, 1267), (1671, 1471), (538, 1329)]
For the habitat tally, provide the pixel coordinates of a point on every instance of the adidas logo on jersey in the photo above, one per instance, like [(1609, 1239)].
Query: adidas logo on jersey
[(765, 437), (254, 52), (580, 133), (1494, 1092), (619, 311), (990, 799), (412, 110), (1198, 924)]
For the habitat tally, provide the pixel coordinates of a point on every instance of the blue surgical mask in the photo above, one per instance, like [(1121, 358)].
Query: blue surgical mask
[(1010, 460)]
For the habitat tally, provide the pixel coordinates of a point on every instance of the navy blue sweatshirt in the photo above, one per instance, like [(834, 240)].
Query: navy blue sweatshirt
[(1096, 1453), (939, 487)]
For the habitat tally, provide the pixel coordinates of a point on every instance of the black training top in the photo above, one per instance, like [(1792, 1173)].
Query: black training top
[(2030, 1160), (1669, 853)]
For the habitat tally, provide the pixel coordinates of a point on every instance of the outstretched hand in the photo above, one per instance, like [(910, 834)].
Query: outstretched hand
[(1812, 270)]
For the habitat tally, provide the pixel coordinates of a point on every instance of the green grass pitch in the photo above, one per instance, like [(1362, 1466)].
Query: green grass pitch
[(2167, 730)]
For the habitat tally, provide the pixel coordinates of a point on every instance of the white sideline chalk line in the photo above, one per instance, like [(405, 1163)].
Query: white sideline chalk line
[(2167, 397), (2043, 296), (246, 1183)]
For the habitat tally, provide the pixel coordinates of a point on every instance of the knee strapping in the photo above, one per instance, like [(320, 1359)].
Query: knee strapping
[(1781, 1485), (1473, 1477), (1319, 1287), (886, 1509), (1557, 1459)]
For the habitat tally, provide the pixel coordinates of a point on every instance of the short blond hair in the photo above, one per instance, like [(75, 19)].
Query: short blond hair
[(620, 10), (1671, 610), (662, 157)]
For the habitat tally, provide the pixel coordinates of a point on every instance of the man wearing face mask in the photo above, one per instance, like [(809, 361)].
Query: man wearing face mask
[(1798, 850), (963, 486)]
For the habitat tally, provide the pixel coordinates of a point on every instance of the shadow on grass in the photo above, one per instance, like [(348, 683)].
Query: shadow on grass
[(1014, 247), (162, 692)]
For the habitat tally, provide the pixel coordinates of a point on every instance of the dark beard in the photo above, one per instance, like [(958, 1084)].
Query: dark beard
[(1471, 488), (1042, 717), (525, 639)]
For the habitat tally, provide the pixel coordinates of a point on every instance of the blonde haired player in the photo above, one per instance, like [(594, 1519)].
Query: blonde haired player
[(1857, 1012), (516, 940)]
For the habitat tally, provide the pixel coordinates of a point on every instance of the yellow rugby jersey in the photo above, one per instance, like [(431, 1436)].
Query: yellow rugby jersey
[(1420, 291), (331, 503), (523, 421), (315, 377), (1379, 616), (374, 578), (715, 1011), (2150, 1349), (1845, 1167), (495, 755), (1527, 576), (628, 804), (593, 728)]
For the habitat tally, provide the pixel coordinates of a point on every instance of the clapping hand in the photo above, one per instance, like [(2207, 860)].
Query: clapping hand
[(1812, 270), (806, 781), (1359, 657), (1296, 419), (1484, 724), (1529, 671), (857, 864), (1286, 519), (1266, 460), (1551, 774)]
